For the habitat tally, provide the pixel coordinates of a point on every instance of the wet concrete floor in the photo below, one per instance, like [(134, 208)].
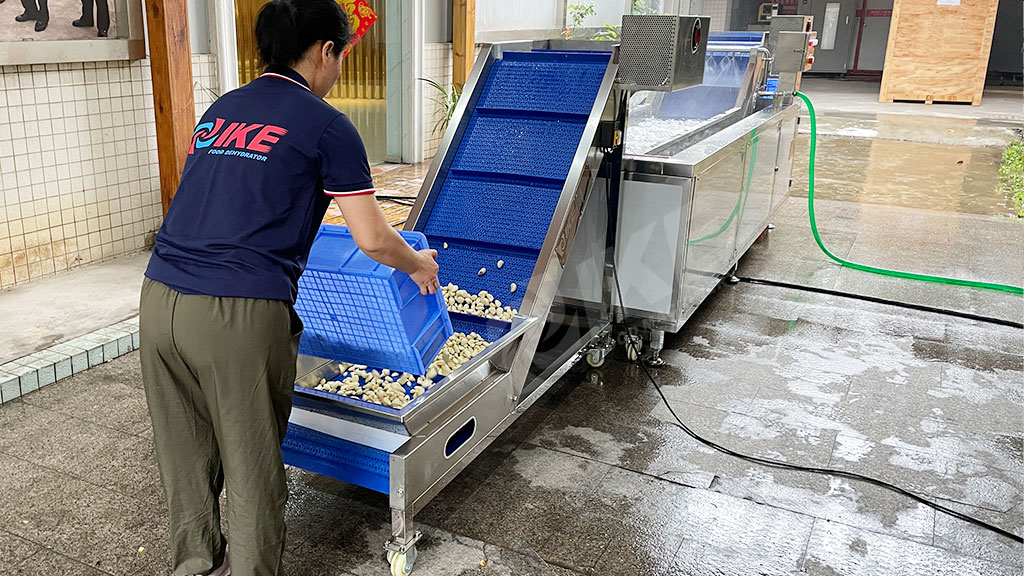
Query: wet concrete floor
[(910, 161), (596, 478)]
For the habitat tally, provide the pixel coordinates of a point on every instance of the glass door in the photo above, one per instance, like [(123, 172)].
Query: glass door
[(360, 92)]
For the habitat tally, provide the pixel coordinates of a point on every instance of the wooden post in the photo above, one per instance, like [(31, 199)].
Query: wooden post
[(171, 65), (463, 40)]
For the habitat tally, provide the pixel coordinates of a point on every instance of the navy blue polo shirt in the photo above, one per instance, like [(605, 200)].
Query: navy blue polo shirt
[(264, 162)]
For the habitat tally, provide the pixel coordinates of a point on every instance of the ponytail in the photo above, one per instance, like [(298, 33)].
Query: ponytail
[(285, 29)]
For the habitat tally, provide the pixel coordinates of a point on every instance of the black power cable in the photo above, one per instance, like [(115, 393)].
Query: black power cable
[(397, 199), (886, 301), (787, 466)]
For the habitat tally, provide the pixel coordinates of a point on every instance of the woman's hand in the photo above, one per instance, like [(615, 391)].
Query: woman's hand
[(426, 275)]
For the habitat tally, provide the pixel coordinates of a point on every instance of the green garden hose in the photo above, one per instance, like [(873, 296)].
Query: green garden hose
[(872, 269)]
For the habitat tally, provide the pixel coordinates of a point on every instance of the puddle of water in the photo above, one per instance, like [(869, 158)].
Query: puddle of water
[(943, 164), (923, 129), (940, 177)]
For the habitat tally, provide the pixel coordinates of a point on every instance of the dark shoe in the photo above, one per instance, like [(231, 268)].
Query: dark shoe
[(103, 34), (25, 17), (41, 25), (82, 23)]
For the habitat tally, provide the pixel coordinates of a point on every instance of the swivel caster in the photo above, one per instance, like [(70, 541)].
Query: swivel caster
[(401, 564), (595, 358), (634, 345)]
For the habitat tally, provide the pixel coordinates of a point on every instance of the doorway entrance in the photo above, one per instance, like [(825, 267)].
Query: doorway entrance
[(360, 92)]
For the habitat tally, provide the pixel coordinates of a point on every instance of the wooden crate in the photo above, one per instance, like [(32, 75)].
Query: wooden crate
[(938, 50)]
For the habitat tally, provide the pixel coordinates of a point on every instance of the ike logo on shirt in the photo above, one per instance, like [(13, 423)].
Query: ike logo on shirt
[(251, 141)]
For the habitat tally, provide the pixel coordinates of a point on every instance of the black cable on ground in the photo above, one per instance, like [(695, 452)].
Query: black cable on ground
[(397, 199), (886, 301), (797, 468)]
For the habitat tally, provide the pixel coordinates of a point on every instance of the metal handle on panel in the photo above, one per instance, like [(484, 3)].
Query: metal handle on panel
[(460, 437)]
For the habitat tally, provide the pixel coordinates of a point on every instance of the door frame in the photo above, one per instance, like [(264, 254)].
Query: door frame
[(862, 14)]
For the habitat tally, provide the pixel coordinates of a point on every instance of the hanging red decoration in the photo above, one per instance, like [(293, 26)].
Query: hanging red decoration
[(361, 16)]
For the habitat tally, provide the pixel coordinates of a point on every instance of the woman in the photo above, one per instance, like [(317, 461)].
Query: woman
[(219, 335)]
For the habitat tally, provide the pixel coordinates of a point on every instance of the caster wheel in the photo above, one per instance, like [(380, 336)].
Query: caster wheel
[(633, 349), (401, 564), (595, 358)]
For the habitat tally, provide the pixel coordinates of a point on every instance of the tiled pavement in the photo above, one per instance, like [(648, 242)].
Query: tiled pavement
[(394, 180), (595, 479), (53, 364)]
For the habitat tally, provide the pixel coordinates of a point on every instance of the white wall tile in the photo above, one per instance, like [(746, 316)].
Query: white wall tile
[(437, 65), (78, 176)]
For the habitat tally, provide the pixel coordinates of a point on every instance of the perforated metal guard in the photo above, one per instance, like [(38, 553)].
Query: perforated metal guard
[(647, 51), (347, 461)]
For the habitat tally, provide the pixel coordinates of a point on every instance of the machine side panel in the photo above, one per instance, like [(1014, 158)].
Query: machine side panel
[(787, 142), (583, 277), (423, 466), (762, 153), (717, 201), (650, 219)]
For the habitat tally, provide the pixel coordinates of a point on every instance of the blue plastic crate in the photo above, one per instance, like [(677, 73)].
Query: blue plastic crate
[(358, 310)]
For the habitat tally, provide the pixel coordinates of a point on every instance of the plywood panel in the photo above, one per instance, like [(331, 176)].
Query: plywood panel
[(463, 34), (938, 50)]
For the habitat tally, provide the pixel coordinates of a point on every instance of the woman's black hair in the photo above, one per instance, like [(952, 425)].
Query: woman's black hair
[(285, 29)]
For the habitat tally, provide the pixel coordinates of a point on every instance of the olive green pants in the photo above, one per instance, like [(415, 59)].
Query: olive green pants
[(218, 374)]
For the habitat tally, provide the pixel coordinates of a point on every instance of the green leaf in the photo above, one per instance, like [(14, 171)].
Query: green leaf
[(1011, 172)]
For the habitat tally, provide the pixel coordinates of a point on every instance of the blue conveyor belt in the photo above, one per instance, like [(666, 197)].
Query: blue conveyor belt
[(497, 200), (755, 38)]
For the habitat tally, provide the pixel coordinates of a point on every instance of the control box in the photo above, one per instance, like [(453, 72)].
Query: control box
[(791, 40)]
